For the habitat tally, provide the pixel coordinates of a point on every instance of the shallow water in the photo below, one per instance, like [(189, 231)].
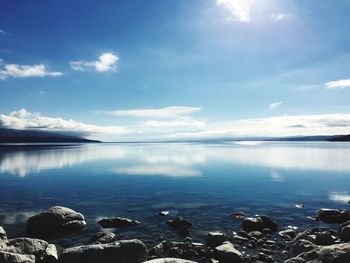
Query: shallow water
[(202, 182)]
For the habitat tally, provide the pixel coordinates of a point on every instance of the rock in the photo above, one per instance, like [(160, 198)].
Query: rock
[(164, 213), (102, 238), (238, 215), (124, 251), (345, 232), (288, 232), (169, 260), (256, 234), (259, 224), (181, 225), (117, 222), (301, 246), (252, 224), (269, 223), (226, 253), (157, 249), (40, 249), (55, 221), (8, 257), (215, 239), (338, 253), (3, 235), (333, 216), (324, 238)]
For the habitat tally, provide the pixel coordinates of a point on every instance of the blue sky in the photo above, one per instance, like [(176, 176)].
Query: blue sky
[(138, 70)]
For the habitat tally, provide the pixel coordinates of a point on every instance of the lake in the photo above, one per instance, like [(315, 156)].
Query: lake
[(199, 181)]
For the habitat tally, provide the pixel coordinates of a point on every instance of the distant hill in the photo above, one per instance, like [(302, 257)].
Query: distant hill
[(340, 138), (35, 136)]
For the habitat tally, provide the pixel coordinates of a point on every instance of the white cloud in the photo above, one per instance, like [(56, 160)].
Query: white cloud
[(104, 63), (338, 84), (26, 71), (239, 9), (278, 16), (281, 126), (185, 121), (166, 112), (275, 105), (24, 120)]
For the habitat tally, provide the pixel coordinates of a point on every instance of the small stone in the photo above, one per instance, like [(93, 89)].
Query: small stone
[(299, 205), (238, 215), (345, 232)]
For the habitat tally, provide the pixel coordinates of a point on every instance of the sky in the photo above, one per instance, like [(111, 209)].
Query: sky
[(174, 70)]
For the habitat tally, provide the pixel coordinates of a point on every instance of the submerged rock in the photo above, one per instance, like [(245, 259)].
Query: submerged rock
[(124, 251), (181, 225), (55, 221), (333, 216), (117, 222)]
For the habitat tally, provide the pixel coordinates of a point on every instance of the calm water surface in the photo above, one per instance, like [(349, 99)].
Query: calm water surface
[(202, 182)]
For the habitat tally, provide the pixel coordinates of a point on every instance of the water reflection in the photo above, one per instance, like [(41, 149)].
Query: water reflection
[(179, 159)]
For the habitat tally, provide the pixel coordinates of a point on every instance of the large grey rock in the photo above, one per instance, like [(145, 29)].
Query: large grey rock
[(215, 239), (339, 253), (333, 216), (300, 247), (324, 238), (117, 222), (8, 257), (55, 221), (40, 249), (124, 251), (169, 260), (345, 232), (226, 253)]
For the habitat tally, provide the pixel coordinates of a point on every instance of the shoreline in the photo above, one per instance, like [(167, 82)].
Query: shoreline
[(259, 239)]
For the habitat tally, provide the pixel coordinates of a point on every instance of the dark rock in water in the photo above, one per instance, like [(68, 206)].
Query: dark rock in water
[(169, 260), (259, 224), (215, 239), (333, 216), (102, 238), (164, 213), (324, 238), (269, 223), (181, 225), (7, 257), (39, 249), (338, 253), (252, 224), (238, 215), (157, 249), (117, 222), (226, 253), (124, 251), (55, 221), (345, 232)]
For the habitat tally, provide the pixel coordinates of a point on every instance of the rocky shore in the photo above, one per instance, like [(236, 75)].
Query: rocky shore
[(259, 239)]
